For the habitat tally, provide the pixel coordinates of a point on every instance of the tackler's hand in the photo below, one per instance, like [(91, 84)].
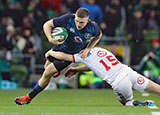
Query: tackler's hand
[(70, 72), (47, 54), (84, 53)]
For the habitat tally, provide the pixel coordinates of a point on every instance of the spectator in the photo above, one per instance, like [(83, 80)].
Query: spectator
[(37, 44), (136, 30), (7, 32), (94, 10), (36, 12), (13, 9), (121, 11), (26, 24), (150, 63), (154, 4), (31, 18), (153, 20), (72, 5), (102, 4), (156, 47), (19, 44), (112, 20), (28, 49), (144, 6), (9, 41), (3, 25), (129, 5), (32, 6), (56, 4)]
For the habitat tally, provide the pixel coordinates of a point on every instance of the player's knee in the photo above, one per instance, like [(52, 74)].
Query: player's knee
[(47, 74), (49, 70), (45, 66), (122, 102)]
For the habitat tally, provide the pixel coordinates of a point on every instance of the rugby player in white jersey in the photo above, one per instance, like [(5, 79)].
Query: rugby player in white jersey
[(121, 77)]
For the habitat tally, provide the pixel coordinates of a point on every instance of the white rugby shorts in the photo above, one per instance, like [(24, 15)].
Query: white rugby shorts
[(132, 80)]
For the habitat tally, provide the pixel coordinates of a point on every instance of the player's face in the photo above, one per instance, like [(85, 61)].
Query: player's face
[(81, 22)]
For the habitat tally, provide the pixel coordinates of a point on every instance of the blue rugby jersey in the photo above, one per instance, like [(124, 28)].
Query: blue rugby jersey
[(77, 39)]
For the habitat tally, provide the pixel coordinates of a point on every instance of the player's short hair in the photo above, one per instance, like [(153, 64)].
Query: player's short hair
[(82, 13)]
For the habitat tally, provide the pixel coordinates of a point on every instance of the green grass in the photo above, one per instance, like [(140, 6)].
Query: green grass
[(72, 102)]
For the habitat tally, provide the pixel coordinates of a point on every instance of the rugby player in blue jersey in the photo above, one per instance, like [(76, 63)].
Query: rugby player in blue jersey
[(83, 35)]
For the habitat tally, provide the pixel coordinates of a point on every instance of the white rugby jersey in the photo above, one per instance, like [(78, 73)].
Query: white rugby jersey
[(103, 63)]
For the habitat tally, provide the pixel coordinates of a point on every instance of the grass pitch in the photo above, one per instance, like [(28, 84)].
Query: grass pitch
[(73, 102)]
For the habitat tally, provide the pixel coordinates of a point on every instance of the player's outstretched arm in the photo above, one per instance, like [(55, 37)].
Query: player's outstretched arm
[(73, 70), (59, 55)]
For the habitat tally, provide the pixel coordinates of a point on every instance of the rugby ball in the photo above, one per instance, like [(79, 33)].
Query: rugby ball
[(60, 32)]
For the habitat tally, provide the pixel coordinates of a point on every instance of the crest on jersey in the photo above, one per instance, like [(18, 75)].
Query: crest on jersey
[(78, 39), (101, 53), (72, 30), (88, 35)]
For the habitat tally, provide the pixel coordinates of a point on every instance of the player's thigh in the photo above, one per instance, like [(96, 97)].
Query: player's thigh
[(50, 69), (46, 64), (139, 82), (60, 64), (123, 90)]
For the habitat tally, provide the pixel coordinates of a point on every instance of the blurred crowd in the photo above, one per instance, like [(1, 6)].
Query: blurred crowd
[(22, 37)]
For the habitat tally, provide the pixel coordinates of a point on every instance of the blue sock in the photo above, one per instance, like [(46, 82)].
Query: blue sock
[(35, 91)]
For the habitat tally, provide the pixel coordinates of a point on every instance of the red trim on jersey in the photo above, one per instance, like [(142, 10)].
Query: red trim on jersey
[(73, 58)]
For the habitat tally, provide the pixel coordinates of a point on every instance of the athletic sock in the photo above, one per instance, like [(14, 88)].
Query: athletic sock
[(35, 91)]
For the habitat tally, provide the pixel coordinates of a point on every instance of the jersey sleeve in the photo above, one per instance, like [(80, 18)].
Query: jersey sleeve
[(62, 20), (76, 58), (97, 30)]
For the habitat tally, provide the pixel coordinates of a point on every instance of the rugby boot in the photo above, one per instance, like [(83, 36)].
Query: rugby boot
[(23, 100)]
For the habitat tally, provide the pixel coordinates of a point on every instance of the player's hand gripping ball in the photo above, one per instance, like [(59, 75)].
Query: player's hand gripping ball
[(60, 32)]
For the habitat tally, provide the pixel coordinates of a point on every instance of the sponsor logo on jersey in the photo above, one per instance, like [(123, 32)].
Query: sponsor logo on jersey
[(72, 30), (78, 39), (140, 80), (88, 35), (101, 53)]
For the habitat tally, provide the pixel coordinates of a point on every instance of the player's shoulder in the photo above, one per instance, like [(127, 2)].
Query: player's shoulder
[(93, 23), (93, 26)]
